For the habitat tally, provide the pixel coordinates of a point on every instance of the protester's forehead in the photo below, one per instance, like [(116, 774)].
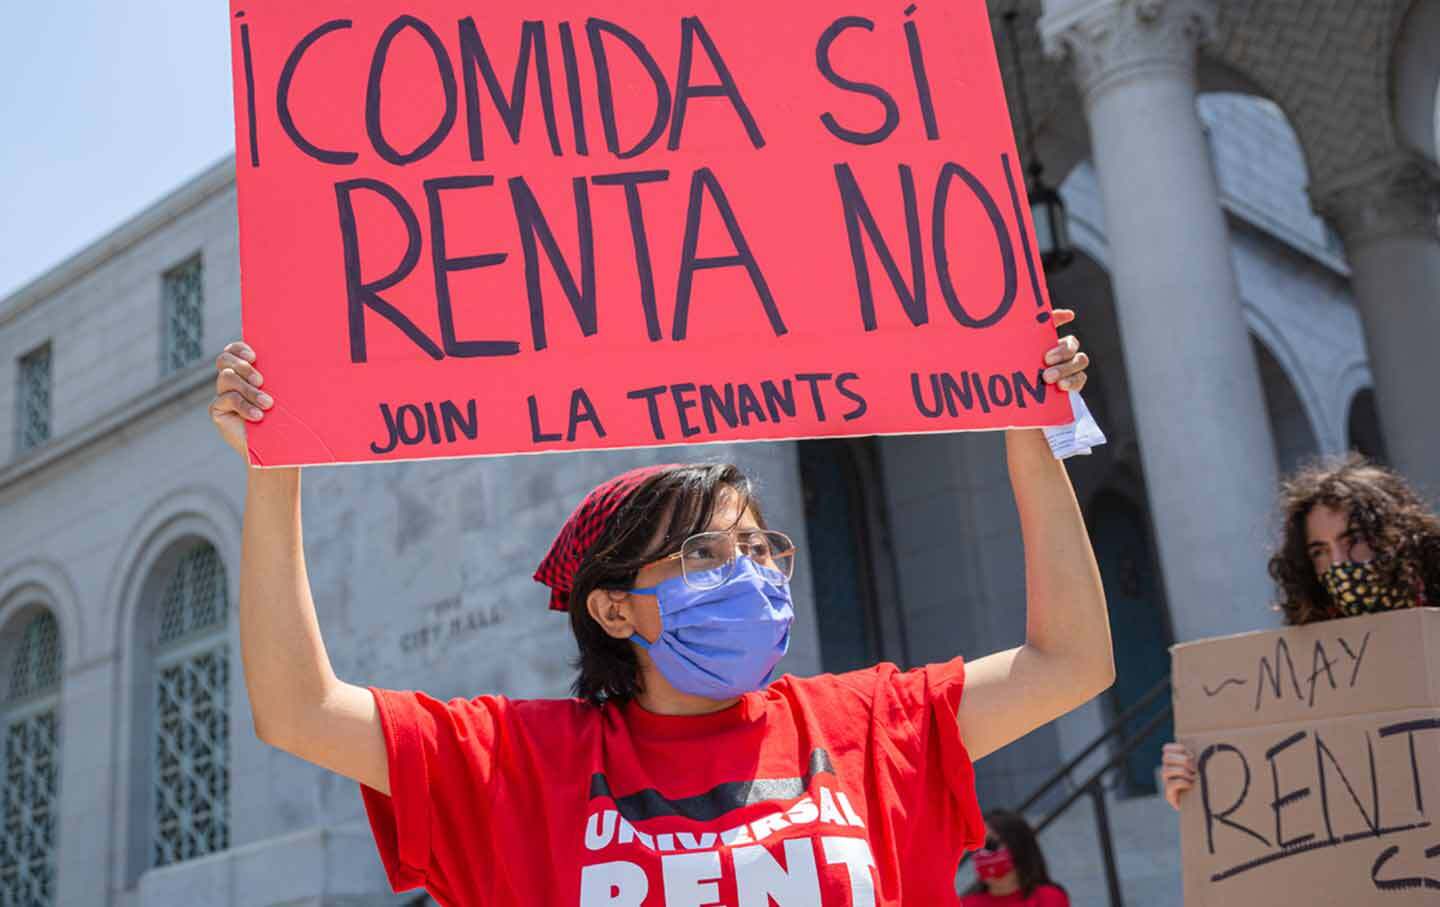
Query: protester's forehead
[(1324, 523), (726, 515), (728, 512)]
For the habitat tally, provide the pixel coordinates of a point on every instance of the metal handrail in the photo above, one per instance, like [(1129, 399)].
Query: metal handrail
[(1093, 785), (1129, 746), (1096, 791), (1115, 728)]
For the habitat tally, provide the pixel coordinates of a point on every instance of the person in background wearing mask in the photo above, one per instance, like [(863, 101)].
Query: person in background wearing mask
[(679, 773), (1012, 868), (1356, 540)]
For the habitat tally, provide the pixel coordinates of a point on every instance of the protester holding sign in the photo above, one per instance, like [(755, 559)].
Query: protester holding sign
[(680, 774), (1357, 540), (479, 230), (1011, 867)]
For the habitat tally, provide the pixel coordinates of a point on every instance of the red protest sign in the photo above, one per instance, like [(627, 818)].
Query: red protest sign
[(574, 225)]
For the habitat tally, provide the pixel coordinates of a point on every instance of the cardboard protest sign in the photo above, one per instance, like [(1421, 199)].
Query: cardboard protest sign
[(477, 229), (1319, 759)]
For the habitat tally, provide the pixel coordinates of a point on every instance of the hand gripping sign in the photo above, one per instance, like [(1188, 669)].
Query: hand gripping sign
[(498, 228)]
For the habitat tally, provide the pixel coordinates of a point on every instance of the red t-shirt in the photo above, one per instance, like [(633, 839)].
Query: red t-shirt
[(1043, 896), (837, 790)]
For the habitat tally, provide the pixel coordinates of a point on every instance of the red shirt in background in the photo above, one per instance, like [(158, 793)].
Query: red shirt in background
[(1043, 896), (837, 790)]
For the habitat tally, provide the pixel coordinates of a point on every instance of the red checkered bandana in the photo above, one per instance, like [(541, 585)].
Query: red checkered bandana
[(582, 529)]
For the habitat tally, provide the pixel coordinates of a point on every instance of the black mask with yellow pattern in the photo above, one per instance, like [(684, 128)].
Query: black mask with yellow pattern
[(1357, 588)]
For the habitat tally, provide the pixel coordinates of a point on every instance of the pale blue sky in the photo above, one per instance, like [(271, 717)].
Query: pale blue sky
[(104, 108)]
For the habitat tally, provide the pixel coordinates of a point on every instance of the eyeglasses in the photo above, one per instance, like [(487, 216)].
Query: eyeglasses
[(708, 559)]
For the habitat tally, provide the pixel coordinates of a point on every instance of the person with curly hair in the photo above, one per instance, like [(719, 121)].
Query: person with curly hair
[(1356, 539)]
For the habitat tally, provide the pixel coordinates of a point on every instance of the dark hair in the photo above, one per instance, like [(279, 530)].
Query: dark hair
[(1019, 838), (1382, 509), (653, 522)]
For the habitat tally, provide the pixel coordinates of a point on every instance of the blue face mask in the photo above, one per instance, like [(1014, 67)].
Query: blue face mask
[(721, 642)]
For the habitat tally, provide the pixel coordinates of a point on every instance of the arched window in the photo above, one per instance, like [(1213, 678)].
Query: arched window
[(842, 535), (1363, 425), (1295, 441), (191, 766), (1121, 536), (29, 805)]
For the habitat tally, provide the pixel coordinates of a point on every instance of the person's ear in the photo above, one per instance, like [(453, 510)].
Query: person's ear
[(611, 609)]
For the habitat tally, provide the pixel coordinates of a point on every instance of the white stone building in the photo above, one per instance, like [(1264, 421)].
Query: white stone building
[(1196, 140)]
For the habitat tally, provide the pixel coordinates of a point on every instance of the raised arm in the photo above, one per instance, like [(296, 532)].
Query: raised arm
[(1066, 659), (296, 701)]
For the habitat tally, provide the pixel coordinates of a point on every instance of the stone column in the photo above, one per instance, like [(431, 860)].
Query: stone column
[(1205, 443), (1387, 216)]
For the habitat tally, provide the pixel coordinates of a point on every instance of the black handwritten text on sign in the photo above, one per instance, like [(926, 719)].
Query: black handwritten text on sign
[(1319, 764), (471, 230)]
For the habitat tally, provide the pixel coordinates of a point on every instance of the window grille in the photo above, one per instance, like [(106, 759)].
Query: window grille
[(28, 795), (194, 600), (192, 743), (36, 668), (35, 398), (184, 314), (1333, 243)]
